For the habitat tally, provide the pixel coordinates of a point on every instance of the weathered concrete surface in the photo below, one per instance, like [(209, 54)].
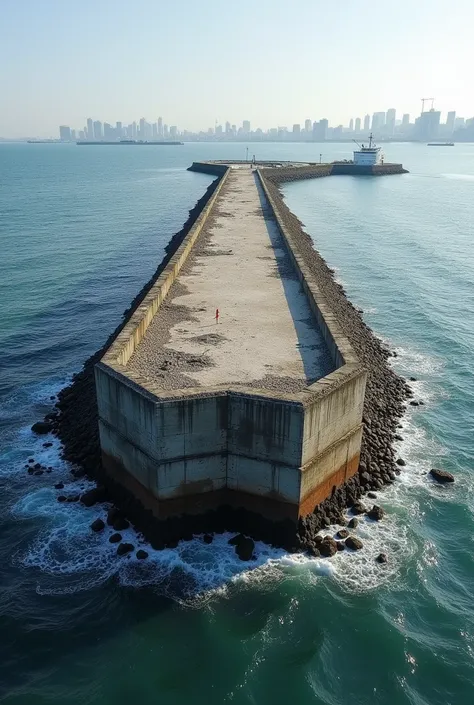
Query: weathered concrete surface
[(260, 420), (266, 327)]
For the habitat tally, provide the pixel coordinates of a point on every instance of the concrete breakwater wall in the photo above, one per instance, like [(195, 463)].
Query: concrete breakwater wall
[(191, 451), (328, 479)]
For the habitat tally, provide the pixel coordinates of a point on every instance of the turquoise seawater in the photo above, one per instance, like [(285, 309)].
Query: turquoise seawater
[(81, 230)]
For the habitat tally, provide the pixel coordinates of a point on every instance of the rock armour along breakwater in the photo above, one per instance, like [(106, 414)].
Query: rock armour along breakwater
[(76, 423)]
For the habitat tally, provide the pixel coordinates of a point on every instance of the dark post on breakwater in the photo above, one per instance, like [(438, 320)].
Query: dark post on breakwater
[(251, 420)]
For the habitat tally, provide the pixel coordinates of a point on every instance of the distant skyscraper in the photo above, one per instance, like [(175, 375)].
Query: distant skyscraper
[(320, 130), (160, 127), (427, 125), (109, 132), (165, 131), (174, 131), (296, 128), (134, 130), (450, 121), (405, 120), (459, 123), (82, 134), (90, 129), (227, 127), (73, 134), (351, 125), (367, 123), (154, 130), (357, 125), (234, 129), (119, 129), (246, 126), (97, 130), (307, 125), (64, 133), (390, 123), (219, 130), (141, 129), (378, 122)]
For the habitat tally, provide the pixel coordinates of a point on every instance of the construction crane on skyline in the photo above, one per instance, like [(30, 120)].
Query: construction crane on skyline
[(423, 101)]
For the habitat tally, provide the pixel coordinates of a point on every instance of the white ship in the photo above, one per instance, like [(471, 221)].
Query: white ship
[(368, 156)]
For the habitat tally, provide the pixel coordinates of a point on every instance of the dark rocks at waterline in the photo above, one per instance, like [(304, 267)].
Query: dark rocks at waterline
[(412, 379), (376, 513), (441, 476), (244, 546), (120, 524), (41, 428), (59, 486), (372, 495), (328, 547), (358, 508), (207, 538), (62, 498), (31, 460), (340, 545), (112, 515), (125, 548), (382, 558), (342, 534), (354, 543), (91, 497), (141, 554), (400, 462), (98, 525), (115, 538), (353, 523), (47, 445), (414, 403)]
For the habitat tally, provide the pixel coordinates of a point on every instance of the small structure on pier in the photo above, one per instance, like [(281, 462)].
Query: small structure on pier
[(368, 156)]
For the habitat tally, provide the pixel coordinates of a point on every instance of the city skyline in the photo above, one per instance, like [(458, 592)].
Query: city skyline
[(263, 62), (384, 125)]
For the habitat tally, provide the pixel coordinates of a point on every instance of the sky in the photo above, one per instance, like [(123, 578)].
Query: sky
[(194, 62)]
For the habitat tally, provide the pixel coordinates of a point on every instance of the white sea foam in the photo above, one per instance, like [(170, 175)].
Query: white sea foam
[(71, 558)]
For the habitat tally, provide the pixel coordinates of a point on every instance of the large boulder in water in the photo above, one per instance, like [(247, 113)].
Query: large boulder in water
[(358, 508), (97, 525), (124, 548), (328, 547), (244, 546), (376, 513), (441, 475), (42, 427), (354, 543)]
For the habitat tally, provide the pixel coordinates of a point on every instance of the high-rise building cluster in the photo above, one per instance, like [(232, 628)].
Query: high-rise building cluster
[(98, 131), (384, 125)]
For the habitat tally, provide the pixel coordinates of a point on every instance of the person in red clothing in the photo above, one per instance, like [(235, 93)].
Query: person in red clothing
[(217, 315)]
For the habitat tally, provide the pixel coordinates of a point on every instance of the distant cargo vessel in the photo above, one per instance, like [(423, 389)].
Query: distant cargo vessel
[(368, 156), (440, 144), (134, 142)]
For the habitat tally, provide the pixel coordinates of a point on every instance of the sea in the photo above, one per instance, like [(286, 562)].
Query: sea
[(81, 230)]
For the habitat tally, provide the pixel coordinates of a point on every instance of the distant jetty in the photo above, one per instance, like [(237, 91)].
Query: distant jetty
[(130, 142)]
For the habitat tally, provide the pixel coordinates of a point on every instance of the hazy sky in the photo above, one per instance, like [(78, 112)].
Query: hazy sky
[(195, 61)]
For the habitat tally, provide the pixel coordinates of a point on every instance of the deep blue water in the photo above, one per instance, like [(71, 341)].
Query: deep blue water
[(81, 230)]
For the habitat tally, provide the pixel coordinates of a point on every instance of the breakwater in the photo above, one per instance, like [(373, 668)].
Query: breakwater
[(382, 407)]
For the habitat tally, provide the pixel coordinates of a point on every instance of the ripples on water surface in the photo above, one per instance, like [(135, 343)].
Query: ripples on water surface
[(81, 231)]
